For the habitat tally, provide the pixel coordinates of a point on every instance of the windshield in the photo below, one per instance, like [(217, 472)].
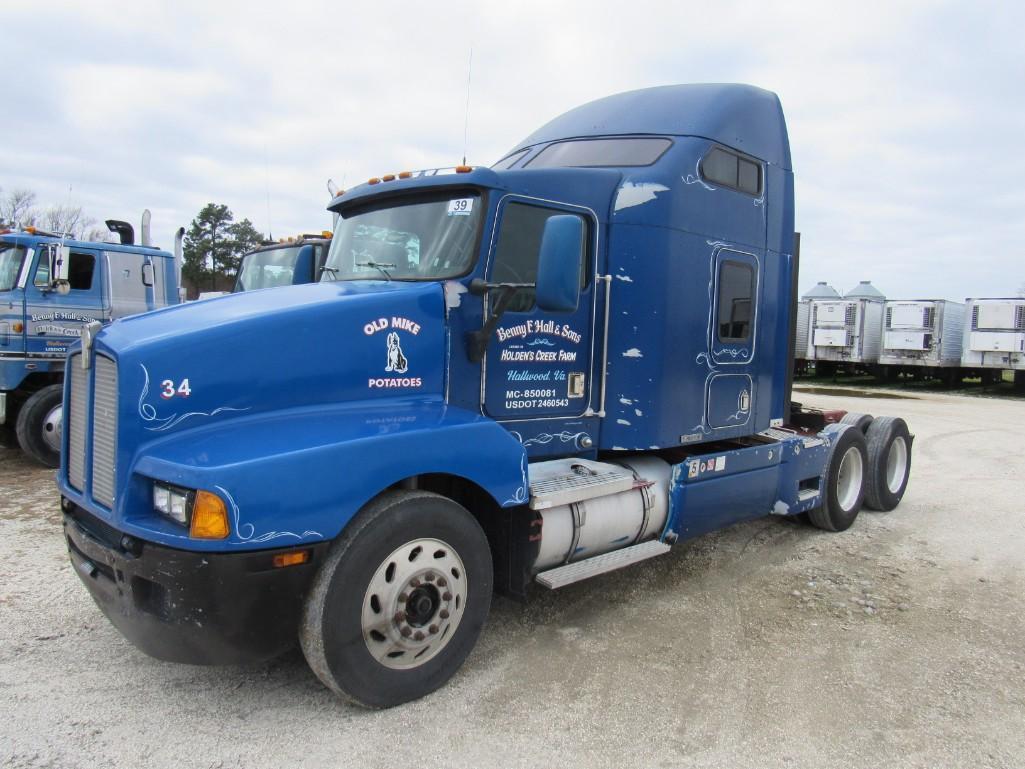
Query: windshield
[(267, 269), (419, 240), (10, 265)]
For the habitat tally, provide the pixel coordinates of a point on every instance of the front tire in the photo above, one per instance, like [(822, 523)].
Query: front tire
[(39, 425), (400, 601), (845, 482)]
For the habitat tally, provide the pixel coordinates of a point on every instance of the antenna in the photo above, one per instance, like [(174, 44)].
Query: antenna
[(466, 118), (266, 186)]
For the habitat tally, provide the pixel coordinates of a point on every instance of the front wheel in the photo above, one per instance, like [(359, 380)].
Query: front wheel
[(39, 425), (400, 600)]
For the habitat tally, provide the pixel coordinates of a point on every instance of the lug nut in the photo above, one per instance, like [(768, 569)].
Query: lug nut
[(406, 632), (444, 614), (403, 597), (433, 629), (415, 582), (442, 582), (400, 616), (446, 596), (419, 636), (429, 577)]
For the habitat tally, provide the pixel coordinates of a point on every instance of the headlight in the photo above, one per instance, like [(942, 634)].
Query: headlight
[(172, 502), (202, 511)]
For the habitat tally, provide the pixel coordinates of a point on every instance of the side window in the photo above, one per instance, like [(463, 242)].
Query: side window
[(80, 272), (728, 169), (735, 301), (516, 252)]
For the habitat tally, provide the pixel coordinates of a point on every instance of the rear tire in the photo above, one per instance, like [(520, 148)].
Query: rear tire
[(859, 420), (400, 601), (39, 425), (845, 481), (889, 462)]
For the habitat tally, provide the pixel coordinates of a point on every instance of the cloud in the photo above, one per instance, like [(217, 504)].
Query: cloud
[(904, 116)]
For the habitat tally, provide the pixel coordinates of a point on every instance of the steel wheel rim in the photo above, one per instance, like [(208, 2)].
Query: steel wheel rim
[(849, 479), (52, 424), (897, 464), (414, 603)]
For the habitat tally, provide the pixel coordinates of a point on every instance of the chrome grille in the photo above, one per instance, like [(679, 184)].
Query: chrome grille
[(75, 420), (104, 430)]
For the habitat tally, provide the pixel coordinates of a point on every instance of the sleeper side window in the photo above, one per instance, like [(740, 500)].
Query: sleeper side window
[(516, 252), (735, 301), (729, 169)]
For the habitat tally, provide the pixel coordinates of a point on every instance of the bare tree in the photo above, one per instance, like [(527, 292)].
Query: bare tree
[(17, 207), (67, 220)]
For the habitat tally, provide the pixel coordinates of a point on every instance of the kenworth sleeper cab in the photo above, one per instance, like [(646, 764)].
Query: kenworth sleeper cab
[(527, 374), (50, 288)]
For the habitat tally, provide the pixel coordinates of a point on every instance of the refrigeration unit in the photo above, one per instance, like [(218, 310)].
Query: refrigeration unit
[(922, 336), (846, 332)]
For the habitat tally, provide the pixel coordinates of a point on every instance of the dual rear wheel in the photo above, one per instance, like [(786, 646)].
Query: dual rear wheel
[(869, 464)]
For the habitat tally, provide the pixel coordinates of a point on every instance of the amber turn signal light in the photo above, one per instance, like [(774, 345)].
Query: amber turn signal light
[(295, 558), (209, 517)]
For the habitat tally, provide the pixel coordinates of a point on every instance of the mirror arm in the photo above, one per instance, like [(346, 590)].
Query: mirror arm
[(477, 341)]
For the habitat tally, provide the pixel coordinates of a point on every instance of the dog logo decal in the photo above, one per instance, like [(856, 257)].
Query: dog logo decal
[(396, 360)]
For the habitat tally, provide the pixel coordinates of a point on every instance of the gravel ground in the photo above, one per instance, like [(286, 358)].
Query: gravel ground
[(896, 644)]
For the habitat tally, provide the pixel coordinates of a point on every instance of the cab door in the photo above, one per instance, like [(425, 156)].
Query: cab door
[(538, 364), (55, 320)]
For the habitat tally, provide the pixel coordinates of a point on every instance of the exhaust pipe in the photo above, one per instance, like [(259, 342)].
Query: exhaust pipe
[(178, 260), (123, 230), (144, 231)]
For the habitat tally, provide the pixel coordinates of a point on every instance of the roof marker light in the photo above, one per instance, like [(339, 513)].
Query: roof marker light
[(405, 175), (388, 178), (463, 169), (373, 180)]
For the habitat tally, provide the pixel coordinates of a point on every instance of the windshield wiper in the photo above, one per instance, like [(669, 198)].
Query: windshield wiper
[(332, 270), (378, 266)]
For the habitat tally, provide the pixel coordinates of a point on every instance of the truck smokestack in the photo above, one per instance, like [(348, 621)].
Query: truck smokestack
[(124, 230), (144, 230)]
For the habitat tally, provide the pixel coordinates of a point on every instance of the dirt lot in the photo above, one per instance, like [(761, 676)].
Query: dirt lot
[(896, 644)]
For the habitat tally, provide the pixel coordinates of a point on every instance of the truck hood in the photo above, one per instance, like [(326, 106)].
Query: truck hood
[(275, 349)]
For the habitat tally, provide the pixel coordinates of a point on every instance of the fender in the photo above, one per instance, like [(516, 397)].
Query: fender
[(300, 475)]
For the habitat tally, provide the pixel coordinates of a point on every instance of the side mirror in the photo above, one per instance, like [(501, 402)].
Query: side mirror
[(147, 273), (303, 272), (60, 266), (559, 262)]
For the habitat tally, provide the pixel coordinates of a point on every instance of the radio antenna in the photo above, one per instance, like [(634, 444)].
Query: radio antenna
[(466, 117), (266, 185)]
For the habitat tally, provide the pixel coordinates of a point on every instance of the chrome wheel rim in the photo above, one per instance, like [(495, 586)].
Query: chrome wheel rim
[(896, 464), (849, 479), (52, 425), (414, 603)]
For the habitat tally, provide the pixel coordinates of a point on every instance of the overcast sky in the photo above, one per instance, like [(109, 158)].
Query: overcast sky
[(906, 119)]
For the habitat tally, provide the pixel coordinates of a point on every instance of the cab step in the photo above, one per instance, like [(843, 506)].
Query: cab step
[(564, 481), (600, 564)]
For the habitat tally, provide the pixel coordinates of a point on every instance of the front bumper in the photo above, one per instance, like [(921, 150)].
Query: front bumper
[(193, 607)]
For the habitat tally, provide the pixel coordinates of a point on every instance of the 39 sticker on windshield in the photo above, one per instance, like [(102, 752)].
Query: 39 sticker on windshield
[(460, 207)]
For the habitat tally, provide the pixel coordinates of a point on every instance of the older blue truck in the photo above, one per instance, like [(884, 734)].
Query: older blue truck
[(50, 288), (517, 376)]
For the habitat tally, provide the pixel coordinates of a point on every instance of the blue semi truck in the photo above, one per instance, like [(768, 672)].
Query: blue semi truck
[(50, 288), (286, 263), (508, 377)]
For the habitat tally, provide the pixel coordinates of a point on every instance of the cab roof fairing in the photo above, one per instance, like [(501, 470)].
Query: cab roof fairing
[(480, 177), (742, 117)]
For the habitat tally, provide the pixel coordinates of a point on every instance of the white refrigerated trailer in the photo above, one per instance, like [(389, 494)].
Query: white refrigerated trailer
[(922, 337), (994, 338), (820, 290), (846, 333)]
